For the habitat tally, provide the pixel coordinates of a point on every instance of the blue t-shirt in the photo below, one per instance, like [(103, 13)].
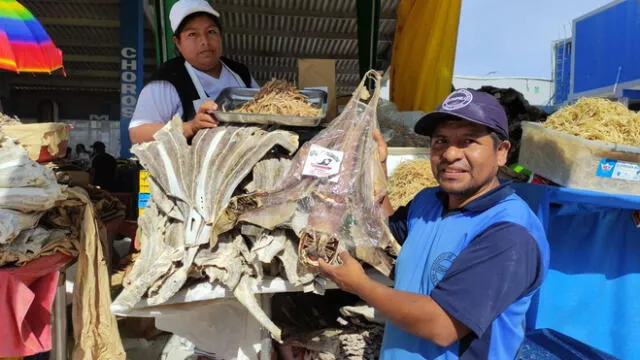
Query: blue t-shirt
[(481, 263)]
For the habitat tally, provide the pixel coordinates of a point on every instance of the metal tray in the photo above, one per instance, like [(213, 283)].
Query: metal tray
[(233, 98)]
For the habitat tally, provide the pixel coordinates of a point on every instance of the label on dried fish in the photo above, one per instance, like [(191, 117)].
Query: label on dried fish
[(323, 163), (618, 170)]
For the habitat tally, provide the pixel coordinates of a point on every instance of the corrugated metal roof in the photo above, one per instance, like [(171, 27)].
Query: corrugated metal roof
[(269, 36), (71, 9)]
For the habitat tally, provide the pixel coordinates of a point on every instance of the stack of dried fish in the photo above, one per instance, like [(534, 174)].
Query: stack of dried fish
[(39, 217), (191, 186), (27, 191), (231, 205)]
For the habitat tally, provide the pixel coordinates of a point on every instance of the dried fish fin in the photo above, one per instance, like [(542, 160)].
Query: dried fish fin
[(164, 203), (131, 294), (174, 282), (245, 296), (170, 171)]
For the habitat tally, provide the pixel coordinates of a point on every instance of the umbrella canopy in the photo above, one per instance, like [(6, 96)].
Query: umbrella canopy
[(24, 44)]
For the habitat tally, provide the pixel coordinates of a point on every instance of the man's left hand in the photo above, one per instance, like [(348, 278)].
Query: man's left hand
[(349, 276)]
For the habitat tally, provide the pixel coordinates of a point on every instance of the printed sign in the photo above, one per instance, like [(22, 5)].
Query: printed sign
[(131, 66), (615, 169), (323, 163)]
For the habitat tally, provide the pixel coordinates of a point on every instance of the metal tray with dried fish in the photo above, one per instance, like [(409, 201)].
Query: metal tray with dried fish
[(231, 100)]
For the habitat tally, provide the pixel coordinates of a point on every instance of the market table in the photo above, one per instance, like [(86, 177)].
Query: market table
[(27, 306), (211, 318), (591, 290)]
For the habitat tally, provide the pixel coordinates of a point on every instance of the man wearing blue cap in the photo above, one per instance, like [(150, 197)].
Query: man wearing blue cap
[(473, 253)]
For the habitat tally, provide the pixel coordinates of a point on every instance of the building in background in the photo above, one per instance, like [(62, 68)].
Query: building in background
[(538, 92), (561, 70), (602, 56)]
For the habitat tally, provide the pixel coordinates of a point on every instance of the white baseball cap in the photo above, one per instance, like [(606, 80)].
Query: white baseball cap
[(184, 8)]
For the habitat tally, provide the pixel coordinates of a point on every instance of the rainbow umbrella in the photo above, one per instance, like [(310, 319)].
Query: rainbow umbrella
[(24, 44)]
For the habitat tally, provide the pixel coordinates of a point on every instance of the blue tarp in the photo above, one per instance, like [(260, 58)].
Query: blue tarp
[(591, 291)]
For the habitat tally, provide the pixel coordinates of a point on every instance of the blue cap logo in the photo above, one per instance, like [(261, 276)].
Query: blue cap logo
[(457, 100)]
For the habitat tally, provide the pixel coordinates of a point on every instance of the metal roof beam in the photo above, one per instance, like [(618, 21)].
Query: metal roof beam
[(94, 44), (89, 2), (58, 81), (293, 69), (80, 22), (98, 83), (93, 73), (72, 74), (99, 59), (229, 8), (302, 34), (80, 73), (295, 55)]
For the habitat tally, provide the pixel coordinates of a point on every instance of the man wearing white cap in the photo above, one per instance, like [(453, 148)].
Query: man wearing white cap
[(187, 84)]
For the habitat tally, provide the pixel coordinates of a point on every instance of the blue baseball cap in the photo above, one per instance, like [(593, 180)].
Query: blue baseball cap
[(466, 104)]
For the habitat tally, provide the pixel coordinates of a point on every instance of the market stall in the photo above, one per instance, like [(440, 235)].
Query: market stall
[(45, 228), (255, 224), (591, 149)]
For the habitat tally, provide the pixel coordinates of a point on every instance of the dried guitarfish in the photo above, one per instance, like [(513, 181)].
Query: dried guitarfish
[(331, 208), (191, 186)]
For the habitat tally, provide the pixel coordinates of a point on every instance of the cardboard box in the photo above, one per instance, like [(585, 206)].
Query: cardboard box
[(316, 73)]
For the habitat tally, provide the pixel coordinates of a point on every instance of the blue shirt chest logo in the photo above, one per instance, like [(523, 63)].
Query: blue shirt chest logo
[(440, 267)]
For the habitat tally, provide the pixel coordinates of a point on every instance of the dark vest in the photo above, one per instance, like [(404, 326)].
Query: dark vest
[(174, 72)]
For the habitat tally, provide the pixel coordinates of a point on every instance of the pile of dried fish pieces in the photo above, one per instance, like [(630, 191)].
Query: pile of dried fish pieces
[(28, 192), (191, 185), (330, 215)]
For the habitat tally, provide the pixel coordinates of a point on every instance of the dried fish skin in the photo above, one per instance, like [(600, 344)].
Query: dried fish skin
[(267, 174), (25, 186), (12, 223)]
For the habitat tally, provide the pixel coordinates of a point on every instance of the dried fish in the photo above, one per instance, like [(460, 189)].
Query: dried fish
[(25, 185), (12, 223), (191, 186), (339, 211)]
